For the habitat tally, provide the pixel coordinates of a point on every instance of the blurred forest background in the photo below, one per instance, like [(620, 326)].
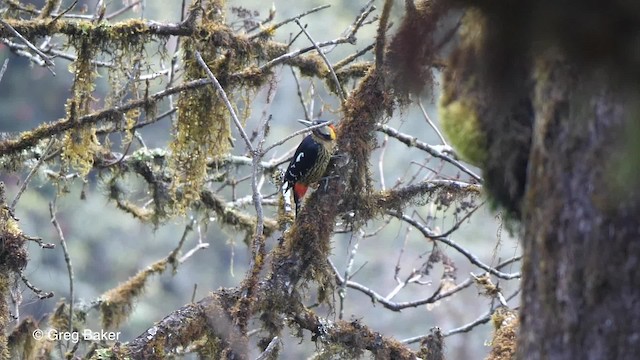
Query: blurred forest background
[(107, 245)]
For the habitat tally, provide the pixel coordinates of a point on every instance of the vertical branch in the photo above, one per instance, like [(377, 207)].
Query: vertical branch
[(67, 258), (382, 32), (226, 101), (324, 57), (347, 272), (258, 256), (307, 116), (49, 7), (4, 68), (433, 126)]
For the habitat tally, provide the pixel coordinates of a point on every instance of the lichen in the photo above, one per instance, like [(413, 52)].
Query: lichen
[(116, 304), (503, 345), (203, 129)]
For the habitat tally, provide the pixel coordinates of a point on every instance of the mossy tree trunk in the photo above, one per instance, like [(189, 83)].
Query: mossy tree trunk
[(581, 215)]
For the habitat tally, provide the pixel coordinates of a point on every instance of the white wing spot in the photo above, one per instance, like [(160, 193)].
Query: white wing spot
[(300, 156)]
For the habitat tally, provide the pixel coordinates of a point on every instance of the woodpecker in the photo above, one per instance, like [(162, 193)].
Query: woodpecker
[(310, 160)]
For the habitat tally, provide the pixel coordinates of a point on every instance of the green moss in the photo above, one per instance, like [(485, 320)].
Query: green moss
[(461, 126), (117, 303), (503, 344)]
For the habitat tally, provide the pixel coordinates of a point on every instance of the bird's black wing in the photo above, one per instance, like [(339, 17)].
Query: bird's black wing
[(305, 156)]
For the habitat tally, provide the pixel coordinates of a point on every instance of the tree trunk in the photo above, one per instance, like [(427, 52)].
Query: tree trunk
[(581, 285)]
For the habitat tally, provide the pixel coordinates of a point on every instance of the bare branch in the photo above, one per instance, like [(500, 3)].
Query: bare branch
[(326, 61), (412, 141), (4, 68), (42, 244), (44, 57), (397, 306), (276, 26), (307, 116), (291, 136), (41, 294), (226, 101), (271, 349), (67, 258), (472, 258), (430, 122)]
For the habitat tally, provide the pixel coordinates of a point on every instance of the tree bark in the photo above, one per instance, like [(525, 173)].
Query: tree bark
[(581, 279)]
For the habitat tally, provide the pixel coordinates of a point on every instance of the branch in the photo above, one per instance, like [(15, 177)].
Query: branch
[(226, 101), (205, 319), (44, 57), (326, 61), (67, 258), (413, 141), (426, 232), (397, 198), (4, 68), (433, 126), (274, 27), (382, 33), (351, 335), (397, 306), (41, 294)]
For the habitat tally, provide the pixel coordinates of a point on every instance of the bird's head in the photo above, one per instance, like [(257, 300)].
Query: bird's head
[(326, 132)]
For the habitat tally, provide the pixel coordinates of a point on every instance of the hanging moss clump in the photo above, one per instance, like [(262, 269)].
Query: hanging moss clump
[(80, 143), (203, 129), (460, 105), (486, 115)]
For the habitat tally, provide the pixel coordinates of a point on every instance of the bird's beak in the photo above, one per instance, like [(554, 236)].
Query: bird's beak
[(306, 123)]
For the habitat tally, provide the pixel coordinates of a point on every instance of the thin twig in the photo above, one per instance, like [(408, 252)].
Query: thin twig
[(397, 306), (342, 292), (431, 123), (277, 25), (273, 346), (41, 294), (27, 180), (307, 116), (121, 10), (482, 319), (35, 49), (190, 253), (340, 64), (65, 11), (226, 101), (193, 294), (67, 258), (472, 258), (326, 61), (413, 141), (383, 150), (364, 13), (42, 244), (456, 226), (4, 68), (292, 135), (172, 258), (21, 50)]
